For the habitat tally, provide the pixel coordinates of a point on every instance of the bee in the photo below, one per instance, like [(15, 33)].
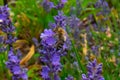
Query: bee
[(61, 36)]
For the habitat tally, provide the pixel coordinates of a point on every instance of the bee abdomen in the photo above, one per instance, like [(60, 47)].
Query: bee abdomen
[(59, 44)]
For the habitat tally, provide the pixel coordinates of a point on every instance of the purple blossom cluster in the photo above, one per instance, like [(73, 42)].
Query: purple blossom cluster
[(13, 60), (13, 64), (104, 7), (5, 22), (73, 21), (50, 56), (48, 5), (60, 21), (78, 26), (94, 71), (6, 26), (69, 77), (60, 4)]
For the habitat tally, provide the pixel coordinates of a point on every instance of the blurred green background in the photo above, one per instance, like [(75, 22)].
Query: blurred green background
[(31, 19)]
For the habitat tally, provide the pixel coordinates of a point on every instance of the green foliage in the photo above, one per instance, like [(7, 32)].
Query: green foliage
[(1, 2), (30, 19)]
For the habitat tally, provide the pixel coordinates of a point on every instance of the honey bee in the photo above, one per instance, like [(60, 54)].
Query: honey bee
[(61, 36)]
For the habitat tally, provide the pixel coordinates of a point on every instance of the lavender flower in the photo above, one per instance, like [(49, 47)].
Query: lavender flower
[(63, 1), (94, 71), (47, 5), (52, 25), (60, 19), (60, 4), (69, 77), (10, 39), (6, 24), (4, 11), (46, 34), (45, 72), (13, 60), (48, 37), (50, 56), (103, 5), (73, 21), (13, 64)]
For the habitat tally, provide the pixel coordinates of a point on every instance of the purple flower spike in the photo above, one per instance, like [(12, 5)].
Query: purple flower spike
[(50, 56), (61, 4), (69, 78), (55, 60), (10, 39), (60, 19), (13, 60), (47, 5), (94, 71), (63, 1), (5, 22), (48, 37), (73, 21), (13, 64), (46, 34), (84, 77), (104, 7), (45, 72), (6, 25)]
